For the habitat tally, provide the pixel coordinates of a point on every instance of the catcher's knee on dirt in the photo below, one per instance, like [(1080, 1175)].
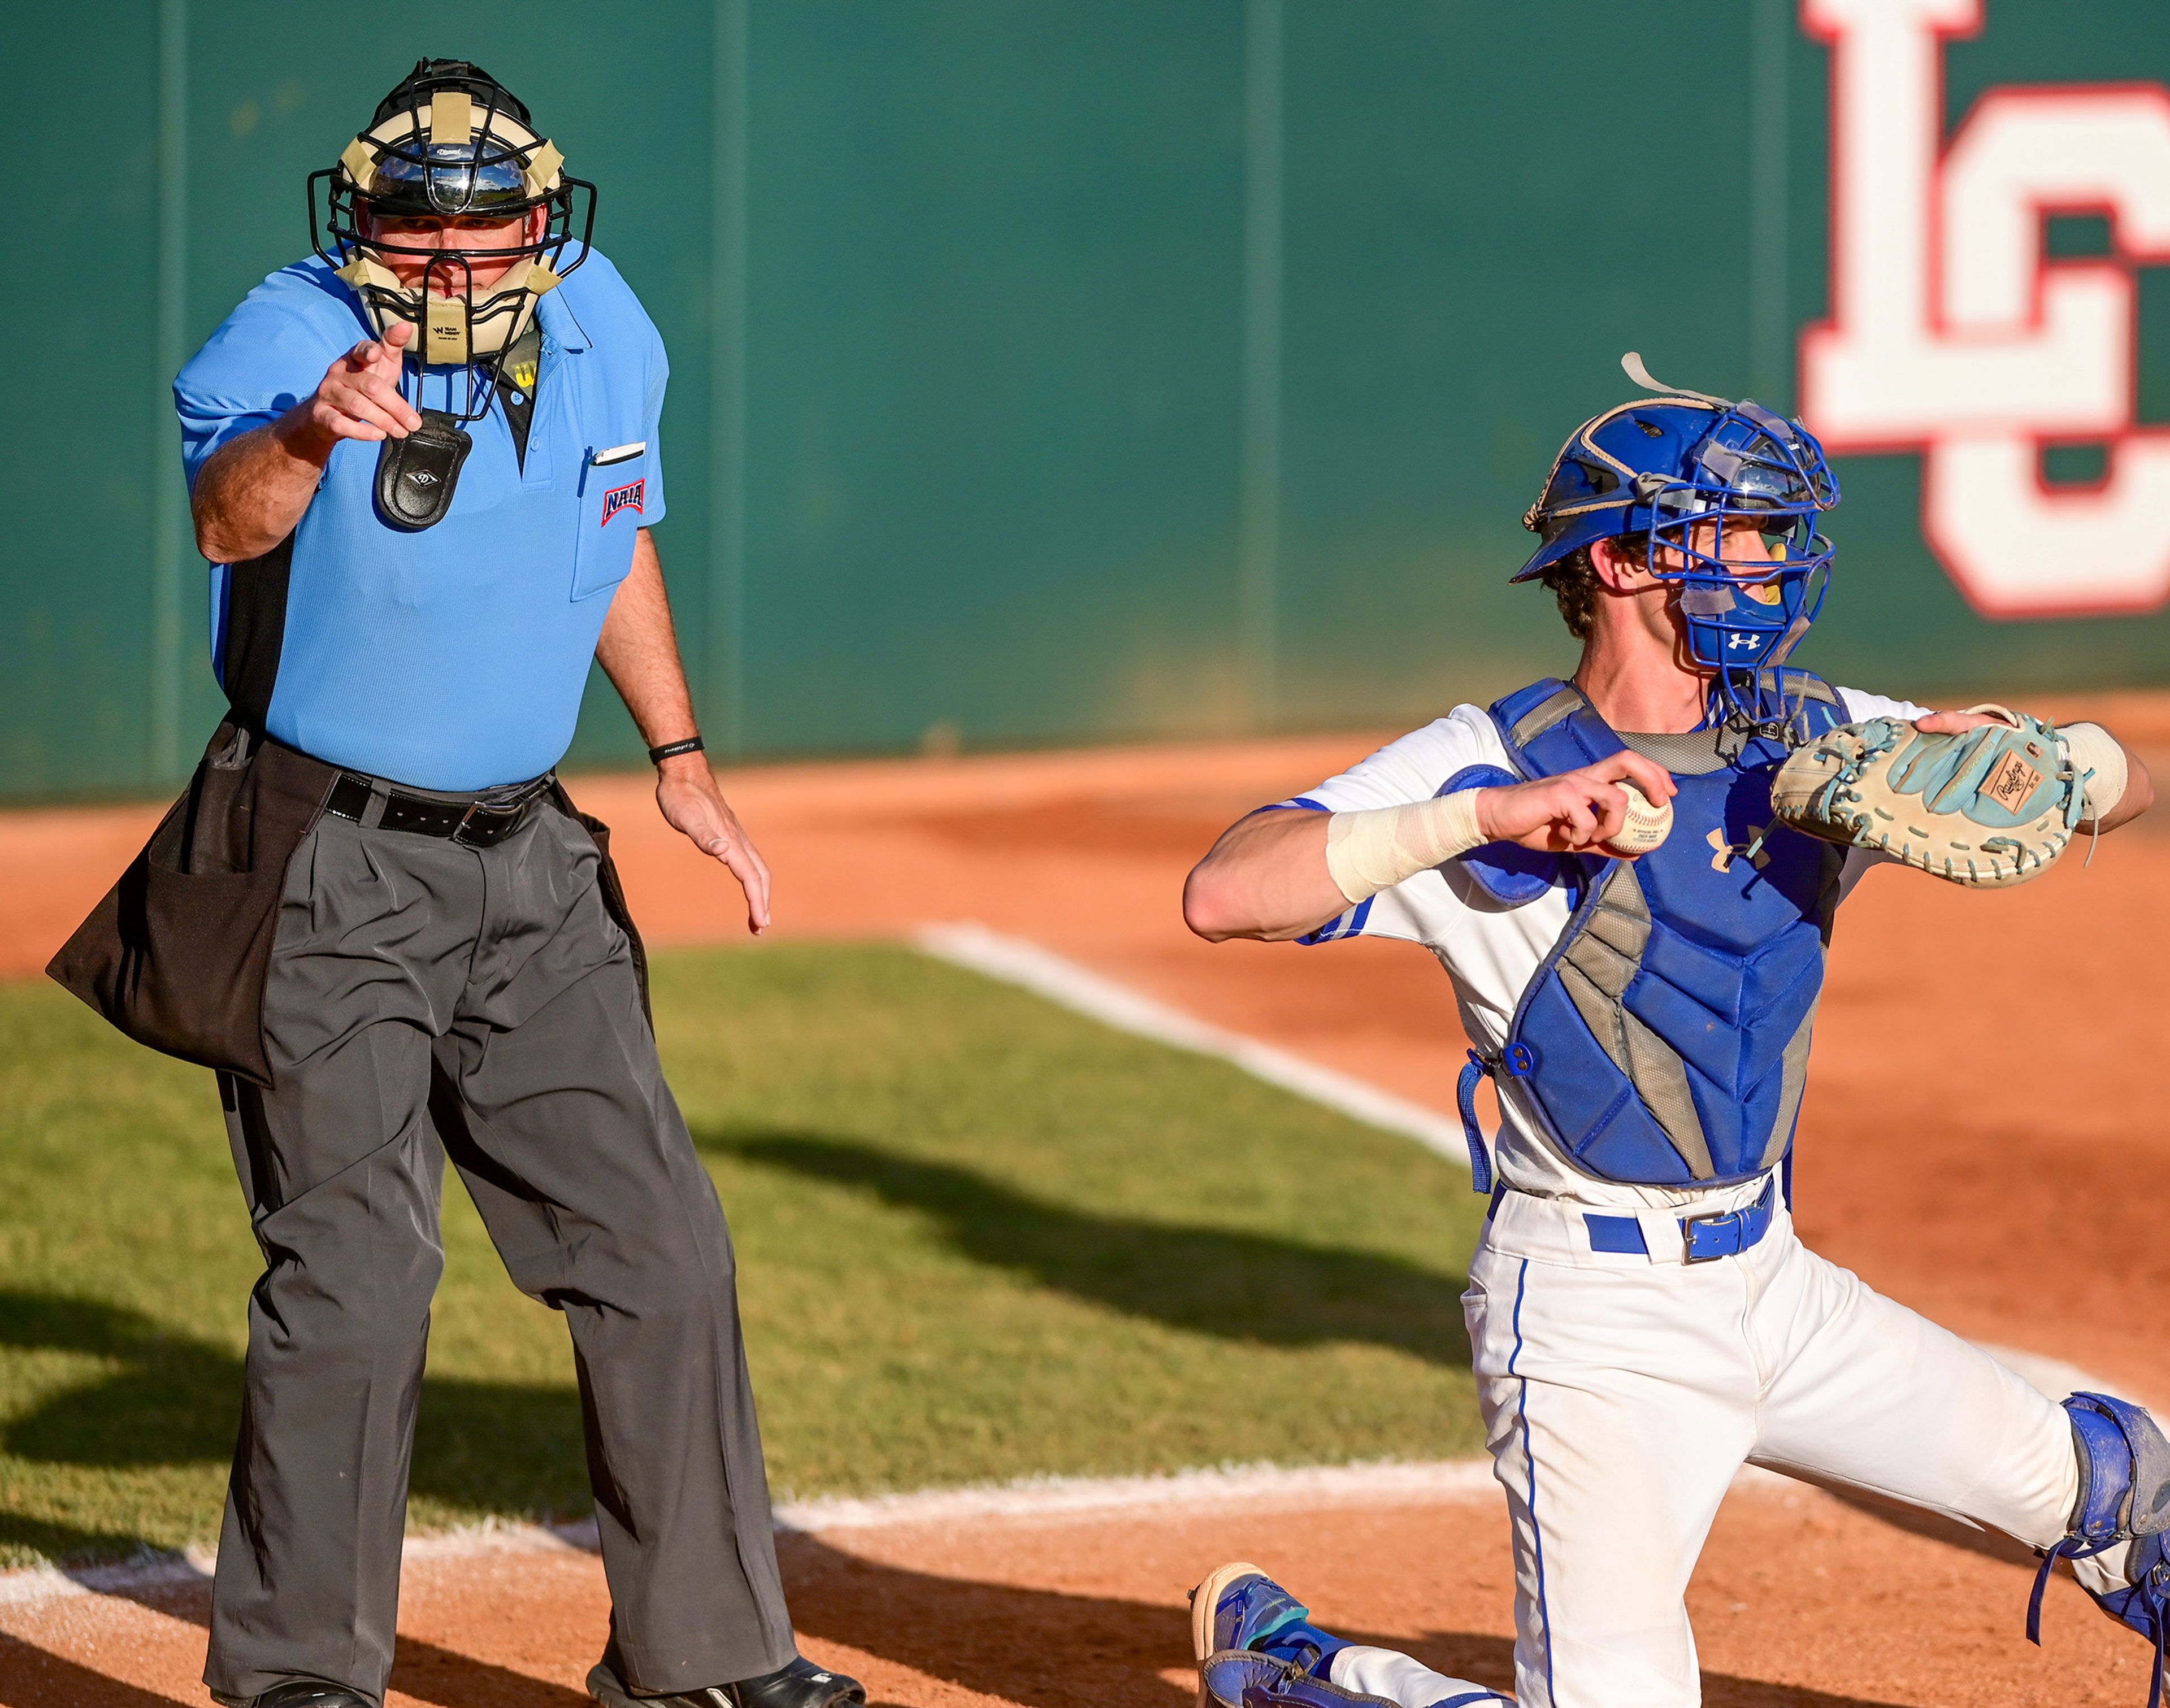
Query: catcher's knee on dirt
[(2124, 1497)]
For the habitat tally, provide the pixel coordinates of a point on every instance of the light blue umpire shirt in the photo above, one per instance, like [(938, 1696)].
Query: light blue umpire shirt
[(454, 658)]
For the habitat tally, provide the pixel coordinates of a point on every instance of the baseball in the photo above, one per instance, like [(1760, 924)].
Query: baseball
[(1646, 827)]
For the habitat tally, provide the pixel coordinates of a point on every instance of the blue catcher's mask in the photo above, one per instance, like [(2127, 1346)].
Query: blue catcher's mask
[(1721, 499)]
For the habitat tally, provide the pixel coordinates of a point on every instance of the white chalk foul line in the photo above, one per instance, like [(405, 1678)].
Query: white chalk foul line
[(152, 1570), (1247, 1487), (1230, 1488), (1234, 1488), (1251, 1488), (1045, 973)]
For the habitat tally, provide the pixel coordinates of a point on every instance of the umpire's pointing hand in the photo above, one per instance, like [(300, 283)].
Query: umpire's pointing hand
[(359, 397)]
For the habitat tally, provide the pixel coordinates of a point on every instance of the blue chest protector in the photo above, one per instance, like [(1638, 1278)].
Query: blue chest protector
[(1665, 1039)]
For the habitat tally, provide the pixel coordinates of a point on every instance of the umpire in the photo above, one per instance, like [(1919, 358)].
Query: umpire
[(425, 463)]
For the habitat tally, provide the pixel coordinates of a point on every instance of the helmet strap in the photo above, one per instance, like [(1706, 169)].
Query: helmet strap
[(1631, 364)]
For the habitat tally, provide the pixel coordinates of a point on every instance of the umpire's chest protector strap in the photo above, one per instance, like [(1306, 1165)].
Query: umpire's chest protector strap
[(1664, 1040)]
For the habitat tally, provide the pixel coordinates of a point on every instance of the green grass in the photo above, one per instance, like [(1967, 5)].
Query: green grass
[(979, 1237)]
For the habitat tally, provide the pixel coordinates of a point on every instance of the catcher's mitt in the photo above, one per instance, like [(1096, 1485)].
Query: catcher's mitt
[(1990, 808)]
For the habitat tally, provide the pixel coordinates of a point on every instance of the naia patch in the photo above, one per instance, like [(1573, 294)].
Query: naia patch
[(624, 498)]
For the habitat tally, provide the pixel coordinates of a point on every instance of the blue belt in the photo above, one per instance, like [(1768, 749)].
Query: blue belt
[(1725, 1236)]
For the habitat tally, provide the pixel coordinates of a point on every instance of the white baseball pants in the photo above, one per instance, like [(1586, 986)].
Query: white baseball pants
[(1621, 1392)]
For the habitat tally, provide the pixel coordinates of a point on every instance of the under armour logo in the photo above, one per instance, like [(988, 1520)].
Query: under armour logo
[(1722, 852), (1740, 640)]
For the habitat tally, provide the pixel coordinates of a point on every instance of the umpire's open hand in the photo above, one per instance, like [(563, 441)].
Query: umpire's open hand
[(686, 790)]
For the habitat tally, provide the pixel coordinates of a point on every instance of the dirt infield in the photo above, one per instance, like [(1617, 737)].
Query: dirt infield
[(1801, 1602), (1980, 1139)]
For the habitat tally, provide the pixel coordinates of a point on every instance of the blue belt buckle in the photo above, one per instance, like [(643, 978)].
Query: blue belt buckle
[(1730, 1232), (1724, 1241)]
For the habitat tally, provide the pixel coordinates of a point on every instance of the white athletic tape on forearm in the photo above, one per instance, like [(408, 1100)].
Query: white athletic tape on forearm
[(1369, 852), (2093, 748)]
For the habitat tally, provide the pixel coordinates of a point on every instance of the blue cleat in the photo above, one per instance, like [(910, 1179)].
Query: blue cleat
[(1240, 1610), (1245, 1678), (1239, 1607), (1257, 1647)]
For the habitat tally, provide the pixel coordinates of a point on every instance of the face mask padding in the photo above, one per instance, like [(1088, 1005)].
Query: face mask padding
[(440, 152)]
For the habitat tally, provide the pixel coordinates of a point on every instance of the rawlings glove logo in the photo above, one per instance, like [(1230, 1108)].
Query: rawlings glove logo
[(2012, 782)]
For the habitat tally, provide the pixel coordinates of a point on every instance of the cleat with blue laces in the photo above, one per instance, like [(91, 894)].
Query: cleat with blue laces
[(1239, 1607), (1246, 1679)]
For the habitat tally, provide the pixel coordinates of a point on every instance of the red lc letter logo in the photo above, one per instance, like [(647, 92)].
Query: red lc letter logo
[(1952, 332)]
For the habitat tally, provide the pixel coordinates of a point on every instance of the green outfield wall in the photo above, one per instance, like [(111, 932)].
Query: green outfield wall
[(1048, 372)]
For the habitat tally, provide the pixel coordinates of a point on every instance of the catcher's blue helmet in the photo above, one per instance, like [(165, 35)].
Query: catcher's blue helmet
[(1691, 475)]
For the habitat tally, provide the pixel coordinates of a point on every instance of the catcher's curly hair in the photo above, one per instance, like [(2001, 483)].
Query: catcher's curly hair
[(1573, 582)]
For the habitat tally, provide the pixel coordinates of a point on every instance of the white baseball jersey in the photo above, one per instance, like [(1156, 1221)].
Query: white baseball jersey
[(1492, 950), (1622, 1390)]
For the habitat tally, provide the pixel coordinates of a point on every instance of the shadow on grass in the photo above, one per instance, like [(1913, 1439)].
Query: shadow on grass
[(1261, 1288), (167, 1398)]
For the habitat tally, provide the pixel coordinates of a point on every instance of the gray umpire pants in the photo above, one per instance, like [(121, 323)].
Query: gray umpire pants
[(424, 998)]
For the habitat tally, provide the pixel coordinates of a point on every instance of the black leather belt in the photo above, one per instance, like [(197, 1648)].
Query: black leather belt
[(481, 824)]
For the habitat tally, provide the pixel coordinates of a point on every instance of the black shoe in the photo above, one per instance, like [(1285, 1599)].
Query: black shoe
[(799, 1684), (302, 1693)]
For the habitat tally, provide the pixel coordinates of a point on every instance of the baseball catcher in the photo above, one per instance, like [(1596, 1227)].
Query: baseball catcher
[(1630, 876)]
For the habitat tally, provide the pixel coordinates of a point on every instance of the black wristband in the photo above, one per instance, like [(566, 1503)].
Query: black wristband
[(671, 750)]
